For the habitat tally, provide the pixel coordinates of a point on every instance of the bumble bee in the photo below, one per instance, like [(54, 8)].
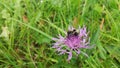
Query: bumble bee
[(72, 33)]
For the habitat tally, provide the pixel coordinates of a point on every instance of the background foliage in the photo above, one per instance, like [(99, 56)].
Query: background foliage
[(27, 27)]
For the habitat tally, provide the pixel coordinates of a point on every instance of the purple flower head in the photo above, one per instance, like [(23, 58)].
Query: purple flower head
[(72, 42)]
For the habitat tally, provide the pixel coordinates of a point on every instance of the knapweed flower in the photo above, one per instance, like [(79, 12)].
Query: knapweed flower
[(73, 42)]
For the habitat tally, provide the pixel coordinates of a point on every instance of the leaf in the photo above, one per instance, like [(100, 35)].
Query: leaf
[(5, 14), (5, 33), (114, 51), (98, 8), (102, 23), (95, 35), (75, 22), (41, 39), (101, 50), (25, 18), (53, 60)]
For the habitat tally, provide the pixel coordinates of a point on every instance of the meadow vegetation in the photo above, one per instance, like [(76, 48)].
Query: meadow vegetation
[(28, 26)]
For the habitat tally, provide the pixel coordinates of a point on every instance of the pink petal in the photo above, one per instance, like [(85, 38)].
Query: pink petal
[(62, 52), (69, 55), (55, 39)]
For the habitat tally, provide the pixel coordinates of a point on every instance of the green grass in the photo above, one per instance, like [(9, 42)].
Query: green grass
[(32, 24)]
